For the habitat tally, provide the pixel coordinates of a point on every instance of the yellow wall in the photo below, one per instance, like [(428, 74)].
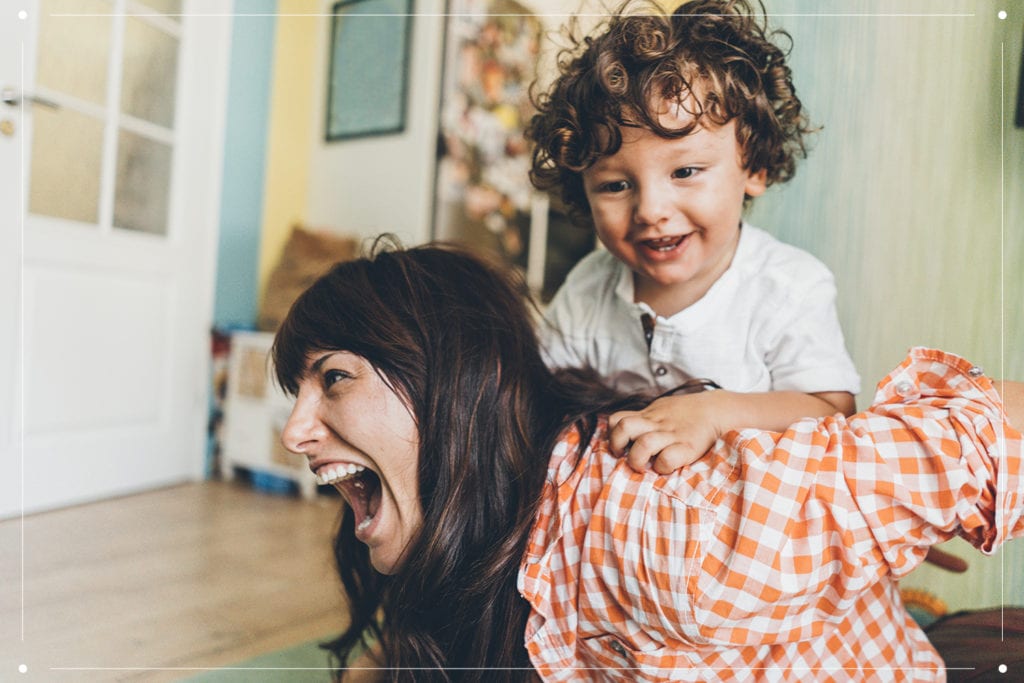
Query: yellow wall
[(289, 138)]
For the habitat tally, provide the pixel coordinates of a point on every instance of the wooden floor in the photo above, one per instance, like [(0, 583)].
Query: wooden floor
[(156, 586)]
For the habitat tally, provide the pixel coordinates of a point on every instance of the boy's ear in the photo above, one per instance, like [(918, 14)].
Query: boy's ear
[(756, 183)]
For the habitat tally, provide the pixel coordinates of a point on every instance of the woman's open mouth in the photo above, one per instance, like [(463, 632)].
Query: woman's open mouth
[(359, 486)]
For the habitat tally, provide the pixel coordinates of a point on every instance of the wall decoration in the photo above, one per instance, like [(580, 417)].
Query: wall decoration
[(565, 243), (483, 195), (368, 72)]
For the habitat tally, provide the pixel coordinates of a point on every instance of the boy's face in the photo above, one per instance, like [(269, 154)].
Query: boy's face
[(671, 209)]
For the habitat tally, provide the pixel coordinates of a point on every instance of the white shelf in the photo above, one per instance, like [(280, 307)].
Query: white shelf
[(255, 412)]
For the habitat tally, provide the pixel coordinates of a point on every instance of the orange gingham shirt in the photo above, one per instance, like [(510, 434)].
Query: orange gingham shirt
[(774, 557)]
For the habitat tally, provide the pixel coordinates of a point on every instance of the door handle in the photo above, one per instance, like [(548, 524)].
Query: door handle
[(13, 98)]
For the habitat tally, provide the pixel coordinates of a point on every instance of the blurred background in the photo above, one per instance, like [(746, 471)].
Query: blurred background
[(174, 171)]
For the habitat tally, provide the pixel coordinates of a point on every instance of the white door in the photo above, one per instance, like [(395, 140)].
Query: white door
[(110, 171)]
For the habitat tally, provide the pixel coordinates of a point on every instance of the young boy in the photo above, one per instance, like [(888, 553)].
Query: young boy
[(657, 135)]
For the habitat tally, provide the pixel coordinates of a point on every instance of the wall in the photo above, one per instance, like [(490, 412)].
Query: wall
[(902, 192), (245, 144), (289, 138), (912, 195), (385, 183), (267, 153), (372, 185)]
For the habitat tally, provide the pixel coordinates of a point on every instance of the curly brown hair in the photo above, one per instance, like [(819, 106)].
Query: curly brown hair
[(716, 58)]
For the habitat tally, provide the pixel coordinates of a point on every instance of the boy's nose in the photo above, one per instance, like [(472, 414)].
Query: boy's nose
[(304, 429), (652, 207)]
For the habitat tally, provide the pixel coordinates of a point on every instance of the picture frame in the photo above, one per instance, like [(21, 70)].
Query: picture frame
[(368, 68), (482, 193), (483, 198)]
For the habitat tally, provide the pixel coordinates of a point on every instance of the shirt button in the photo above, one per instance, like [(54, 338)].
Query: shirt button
[(660, 371), (975, 371), (617, 646), (904, 389)]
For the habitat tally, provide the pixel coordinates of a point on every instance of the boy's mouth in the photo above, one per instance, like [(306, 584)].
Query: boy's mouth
[(664, 244), (359, 486)]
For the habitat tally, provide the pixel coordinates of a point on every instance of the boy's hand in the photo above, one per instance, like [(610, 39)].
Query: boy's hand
[(674, 431), (677, 430)]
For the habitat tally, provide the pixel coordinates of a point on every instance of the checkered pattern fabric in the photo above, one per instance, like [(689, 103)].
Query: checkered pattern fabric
[(775, 557)]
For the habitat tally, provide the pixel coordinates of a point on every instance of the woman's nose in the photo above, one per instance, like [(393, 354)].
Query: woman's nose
[(303, 430)]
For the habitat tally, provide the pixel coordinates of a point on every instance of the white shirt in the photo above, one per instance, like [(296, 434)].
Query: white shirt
[(769, 323)]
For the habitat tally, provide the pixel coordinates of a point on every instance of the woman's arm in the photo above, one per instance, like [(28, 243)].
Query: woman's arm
[(810, 518)]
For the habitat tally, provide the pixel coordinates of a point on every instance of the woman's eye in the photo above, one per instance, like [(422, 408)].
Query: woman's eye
[(333, 376), (684, 172), (614, 186)]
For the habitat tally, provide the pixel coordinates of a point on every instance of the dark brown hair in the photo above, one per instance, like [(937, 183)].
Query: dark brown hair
[(452, 335), (716, 58)]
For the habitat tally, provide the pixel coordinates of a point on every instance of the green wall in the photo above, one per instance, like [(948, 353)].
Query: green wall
[(912, 195)]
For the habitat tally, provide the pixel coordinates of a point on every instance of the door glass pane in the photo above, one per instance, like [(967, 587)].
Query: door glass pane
[(163, 6), (73, 51), (150, 73), (67, 153), (142, 185)]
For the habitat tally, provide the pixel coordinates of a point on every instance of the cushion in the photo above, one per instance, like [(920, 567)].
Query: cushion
[(307, 255)]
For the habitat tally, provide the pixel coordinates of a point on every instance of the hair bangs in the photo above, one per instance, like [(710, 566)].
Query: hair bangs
[(323, 318)]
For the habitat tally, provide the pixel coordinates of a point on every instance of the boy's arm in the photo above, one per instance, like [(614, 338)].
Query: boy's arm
[(840, 402), (677, 430)]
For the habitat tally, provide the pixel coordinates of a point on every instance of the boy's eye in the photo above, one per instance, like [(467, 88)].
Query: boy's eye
[(614, 186), (684, 172)]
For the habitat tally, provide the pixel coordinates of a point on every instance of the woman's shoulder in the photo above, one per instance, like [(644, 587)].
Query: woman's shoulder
[(699, 484), (568, 460)]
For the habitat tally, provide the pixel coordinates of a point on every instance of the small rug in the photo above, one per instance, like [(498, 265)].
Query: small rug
[(305, 662)]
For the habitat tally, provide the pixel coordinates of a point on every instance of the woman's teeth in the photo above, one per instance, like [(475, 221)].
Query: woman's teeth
[(332, 474), (365, 523)]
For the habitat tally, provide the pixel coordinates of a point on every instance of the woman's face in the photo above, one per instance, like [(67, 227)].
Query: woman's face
[(360, 436)]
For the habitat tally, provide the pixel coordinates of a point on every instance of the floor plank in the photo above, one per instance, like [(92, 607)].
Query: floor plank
[(199, 575)]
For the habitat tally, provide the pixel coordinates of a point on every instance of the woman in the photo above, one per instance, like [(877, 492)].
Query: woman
[(485, 507)]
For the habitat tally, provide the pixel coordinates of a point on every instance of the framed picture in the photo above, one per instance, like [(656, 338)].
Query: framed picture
[(368, 70), (482, 196)]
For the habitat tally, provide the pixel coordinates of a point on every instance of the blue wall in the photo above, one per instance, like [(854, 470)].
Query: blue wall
[(252, 54)]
